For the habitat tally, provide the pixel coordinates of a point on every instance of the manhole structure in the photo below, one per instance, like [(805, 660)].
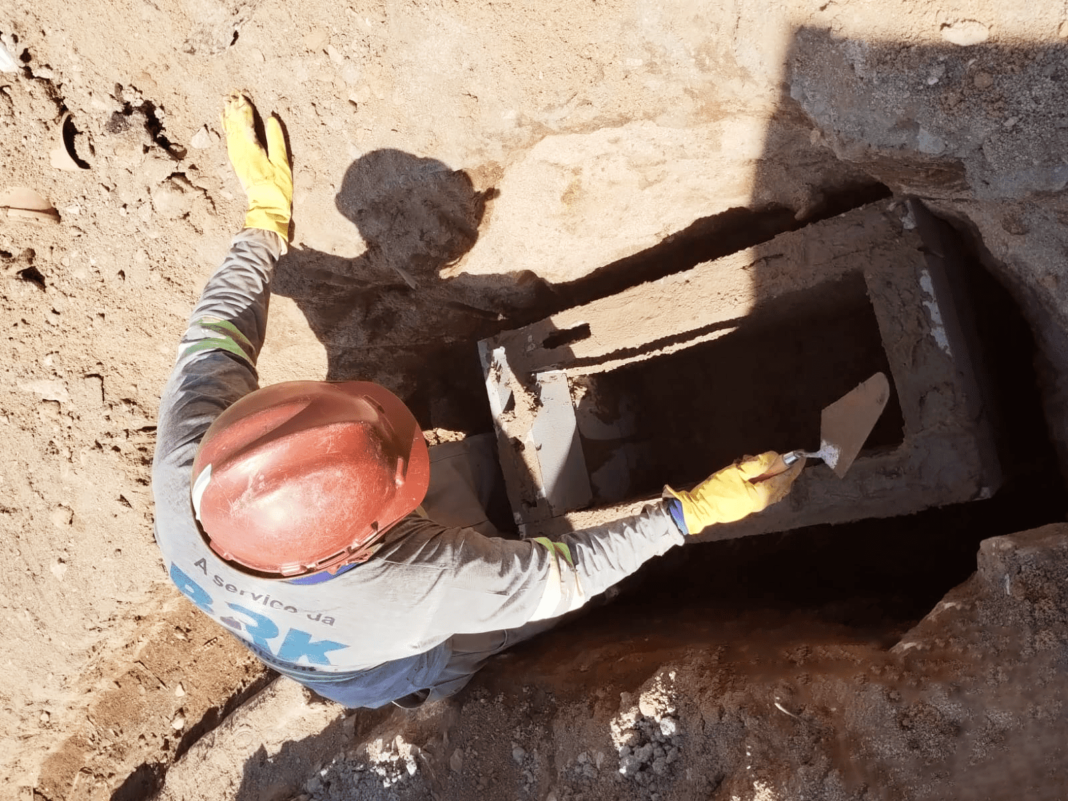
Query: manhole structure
[(597, 407)]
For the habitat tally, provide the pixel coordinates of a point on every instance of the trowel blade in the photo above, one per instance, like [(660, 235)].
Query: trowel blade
[(846, 423)]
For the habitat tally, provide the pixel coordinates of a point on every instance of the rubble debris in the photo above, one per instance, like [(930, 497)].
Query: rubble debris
[(201, 139), (965, 33), (23, 203), (8, 63), (645, 734)]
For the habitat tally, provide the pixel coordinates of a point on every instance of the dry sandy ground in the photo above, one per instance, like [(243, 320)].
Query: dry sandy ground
[(490, 154)]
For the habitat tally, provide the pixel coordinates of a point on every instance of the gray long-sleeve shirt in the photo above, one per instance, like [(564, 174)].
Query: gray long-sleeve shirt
[(388, 621)]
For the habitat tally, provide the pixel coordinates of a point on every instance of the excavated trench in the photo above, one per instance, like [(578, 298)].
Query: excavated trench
[(763, 388), (879, 575)]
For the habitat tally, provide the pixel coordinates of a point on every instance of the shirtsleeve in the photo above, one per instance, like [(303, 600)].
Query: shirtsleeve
[(485, 584), (216, 363)]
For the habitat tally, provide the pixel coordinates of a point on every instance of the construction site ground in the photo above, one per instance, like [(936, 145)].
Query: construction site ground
[(465, 168)]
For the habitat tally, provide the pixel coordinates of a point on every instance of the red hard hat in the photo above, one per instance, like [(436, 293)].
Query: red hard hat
[(304, 476)]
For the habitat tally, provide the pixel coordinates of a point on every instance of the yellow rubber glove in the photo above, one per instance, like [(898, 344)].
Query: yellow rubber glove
[(264, 175), (730, 494)]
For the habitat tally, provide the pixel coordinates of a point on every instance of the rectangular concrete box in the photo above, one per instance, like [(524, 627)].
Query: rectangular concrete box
[(899, 256)]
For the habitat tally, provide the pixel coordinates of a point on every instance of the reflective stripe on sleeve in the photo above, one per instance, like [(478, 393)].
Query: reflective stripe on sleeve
[(563, 592), (222, 335)]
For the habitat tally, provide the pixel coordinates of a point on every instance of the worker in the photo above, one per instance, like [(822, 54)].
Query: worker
[(290, 514)]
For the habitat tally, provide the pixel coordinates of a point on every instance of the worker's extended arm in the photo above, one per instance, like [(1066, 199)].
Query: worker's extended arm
[(483, 583)]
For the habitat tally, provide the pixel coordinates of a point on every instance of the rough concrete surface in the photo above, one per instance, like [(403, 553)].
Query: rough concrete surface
[(897, 255), (461, 169)]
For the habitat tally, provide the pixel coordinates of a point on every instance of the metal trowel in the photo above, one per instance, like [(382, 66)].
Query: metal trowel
[(844, 428)]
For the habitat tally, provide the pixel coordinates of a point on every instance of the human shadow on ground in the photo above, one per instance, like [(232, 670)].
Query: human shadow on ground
[(389, 315)]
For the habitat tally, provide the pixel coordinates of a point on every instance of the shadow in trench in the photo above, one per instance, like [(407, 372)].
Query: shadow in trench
[(882, 573)]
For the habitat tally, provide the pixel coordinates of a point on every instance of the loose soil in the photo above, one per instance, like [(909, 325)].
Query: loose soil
[(461, 170)]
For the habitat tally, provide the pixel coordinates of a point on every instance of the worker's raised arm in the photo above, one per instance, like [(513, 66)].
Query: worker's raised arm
[(464, 582), (216, 362)]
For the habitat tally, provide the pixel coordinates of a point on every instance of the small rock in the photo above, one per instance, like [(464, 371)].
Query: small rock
[(629, 765), (647, 707), (48, 390), (518, 754), (1015, 225), (668, 727), (335, 55), (965, 33), (179, 690), (456, 762), (171, 200), (201, 139), (45, 717), (350, 74), (929, 143), (643, 753), (660, 766), (316, 39), (89, 392), (8, 63), (179, 722), (983, 80), (61, 517)]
